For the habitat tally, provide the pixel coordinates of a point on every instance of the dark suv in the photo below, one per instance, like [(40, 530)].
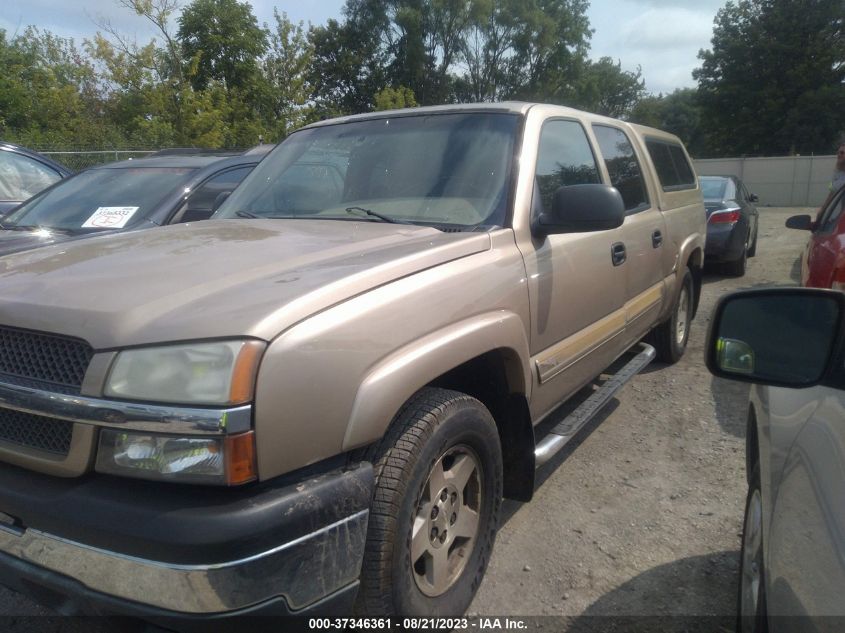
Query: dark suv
[(127, 195)]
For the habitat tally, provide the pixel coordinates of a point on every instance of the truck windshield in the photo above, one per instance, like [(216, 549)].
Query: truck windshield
[(451, 171)]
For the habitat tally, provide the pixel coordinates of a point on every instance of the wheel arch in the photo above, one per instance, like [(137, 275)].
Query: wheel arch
[(695, 262), (485, 357)]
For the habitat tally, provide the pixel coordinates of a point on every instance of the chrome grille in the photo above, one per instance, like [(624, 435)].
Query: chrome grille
[(45, 357), (35, 431)]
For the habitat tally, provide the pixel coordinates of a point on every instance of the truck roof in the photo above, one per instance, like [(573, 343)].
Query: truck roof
[(512, 107)]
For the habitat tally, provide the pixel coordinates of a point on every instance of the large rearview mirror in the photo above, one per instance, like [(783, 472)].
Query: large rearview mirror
[(801, 222), (582, 208), (778, 336)]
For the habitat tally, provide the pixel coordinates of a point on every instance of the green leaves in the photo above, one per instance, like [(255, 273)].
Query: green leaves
[(773, 81), (225, 39)]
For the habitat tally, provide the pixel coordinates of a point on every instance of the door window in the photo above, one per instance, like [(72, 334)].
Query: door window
[(670, 162), (199, 204), (565, 158), (623, 167)]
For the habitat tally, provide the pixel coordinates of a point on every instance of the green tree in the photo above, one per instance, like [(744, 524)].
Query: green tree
[(285, 70), (550, 47), (395, 98), (772, 82), (425, 39), (349, 63), (49, 91), (486, 50), (224, 40), (524, 49), (604, 88), (145, 87)]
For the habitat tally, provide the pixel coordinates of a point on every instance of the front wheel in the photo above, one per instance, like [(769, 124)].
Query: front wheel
[(435, 507)]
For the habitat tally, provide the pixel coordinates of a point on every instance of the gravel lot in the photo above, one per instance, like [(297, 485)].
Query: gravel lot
[(641, 514)]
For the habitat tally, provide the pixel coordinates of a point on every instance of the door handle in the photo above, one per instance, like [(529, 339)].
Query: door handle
[(618, 254), (656, 239)]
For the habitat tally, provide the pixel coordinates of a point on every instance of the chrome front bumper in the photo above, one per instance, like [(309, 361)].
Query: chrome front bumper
[(301, 571)]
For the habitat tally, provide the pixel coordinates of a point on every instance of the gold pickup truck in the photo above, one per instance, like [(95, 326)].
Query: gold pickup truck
[(315, 402)]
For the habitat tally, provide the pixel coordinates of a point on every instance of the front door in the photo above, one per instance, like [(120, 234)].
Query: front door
[(576, 290)]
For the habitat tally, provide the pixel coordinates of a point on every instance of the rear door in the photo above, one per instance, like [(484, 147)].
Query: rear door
[(643, 234)]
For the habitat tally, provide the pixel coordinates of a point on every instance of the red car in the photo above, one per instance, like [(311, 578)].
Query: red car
[(823, 260)]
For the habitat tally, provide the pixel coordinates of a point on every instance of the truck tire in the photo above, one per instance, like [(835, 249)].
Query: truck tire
[(435, 509), (670, 337), (751, 596)]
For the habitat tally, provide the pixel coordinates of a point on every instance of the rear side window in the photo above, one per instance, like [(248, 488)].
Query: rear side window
[(565, 158), (670, 161), (22, 177), (623, 166)]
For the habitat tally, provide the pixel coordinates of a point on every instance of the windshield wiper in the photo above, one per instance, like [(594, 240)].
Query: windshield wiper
[(383, 218), (247, 214)]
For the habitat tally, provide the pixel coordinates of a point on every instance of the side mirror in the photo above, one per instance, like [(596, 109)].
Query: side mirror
[(785, 337), (752, 197), (800, 222), (582, 208), (219, 200)]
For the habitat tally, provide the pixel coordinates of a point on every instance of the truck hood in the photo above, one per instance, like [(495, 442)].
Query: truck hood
[(220, 278)]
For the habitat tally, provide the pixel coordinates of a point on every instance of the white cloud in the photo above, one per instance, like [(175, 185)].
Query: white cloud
[(668, 29), (661, 37)]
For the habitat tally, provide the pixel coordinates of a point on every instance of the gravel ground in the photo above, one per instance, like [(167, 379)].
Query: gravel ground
[(640, 515)]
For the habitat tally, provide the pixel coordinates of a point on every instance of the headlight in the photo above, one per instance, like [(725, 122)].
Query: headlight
[(197, 373), (228, 460)]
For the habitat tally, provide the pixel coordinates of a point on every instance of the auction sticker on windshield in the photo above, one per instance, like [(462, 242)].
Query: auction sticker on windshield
[(110, 218)]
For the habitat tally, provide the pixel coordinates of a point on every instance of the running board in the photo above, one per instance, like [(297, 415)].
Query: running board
[(560, 435)]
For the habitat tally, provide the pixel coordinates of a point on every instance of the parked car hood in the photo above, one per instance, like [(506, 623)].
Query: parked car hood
[(12, 240), (216, 278)]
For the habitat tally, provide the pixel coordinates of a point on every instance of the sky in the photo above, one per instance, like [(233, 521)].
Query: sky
[(662, 37)]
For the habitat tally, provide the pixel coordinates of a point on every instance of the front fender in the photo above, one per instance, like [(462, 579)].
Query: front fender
[(394, 380)]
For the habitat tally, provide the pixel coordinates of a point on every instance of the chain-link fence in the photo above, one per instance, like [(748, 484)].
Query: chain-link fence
[(77, 160)]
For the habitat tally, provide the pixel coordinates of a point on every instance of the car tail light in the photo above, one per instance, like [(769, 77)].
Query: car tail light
[(728, 216)]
